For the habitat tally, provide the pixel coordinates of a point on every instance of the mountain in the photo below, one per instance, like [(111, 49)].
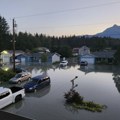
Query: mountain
[(113, 32)]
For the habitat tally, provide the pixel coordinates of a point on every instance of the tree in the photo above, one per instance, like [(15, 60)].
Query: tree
[(44, 57), (65, 51), (4, 34), (117, 56)]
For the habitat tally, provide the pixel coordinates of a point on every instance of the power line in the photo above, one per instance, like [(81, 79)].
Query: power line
[(66, 26), (68, 10)]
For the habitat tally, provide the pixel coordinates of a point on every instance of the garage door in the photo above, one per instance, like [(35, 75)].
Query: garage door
[(22, 60), (89, 60)]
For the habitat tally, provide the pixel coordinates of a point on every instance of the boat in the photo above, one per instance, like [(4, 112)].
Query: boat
[(83, 63), (64, 63)]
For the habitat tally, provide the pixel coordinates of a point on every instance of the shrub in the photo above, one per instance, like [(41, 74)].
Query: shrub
[(6, 75), (73, 97)]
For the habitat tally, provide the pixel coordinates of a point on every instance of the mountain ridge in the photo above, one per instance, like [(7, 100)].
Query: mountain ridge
[(113, 32)]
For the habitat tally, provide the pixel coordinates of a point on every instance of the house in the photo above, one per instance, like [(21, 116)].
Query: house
[(4, 57), (54, 57), (75, 51), (89, 58), (42, 50), (106, 56), (84, 50), (23, 58), (17, 52), (35, 57)]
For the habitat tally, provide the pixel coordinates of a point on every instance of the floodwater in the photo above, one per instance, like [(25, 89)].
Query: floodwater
[(99, 84)]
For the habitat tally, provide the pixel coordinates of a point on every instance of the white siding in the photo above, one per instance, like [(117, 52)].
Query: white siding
[(5, 58), (89, 60), (55, 58)]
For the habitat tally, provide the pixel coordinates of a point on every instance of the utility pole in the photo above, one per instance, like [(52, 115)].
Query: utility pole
[(13, 42)]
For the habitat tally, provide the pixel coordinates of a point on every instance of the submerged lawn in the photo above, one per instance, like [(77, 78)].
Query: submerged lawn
[(76, 101)]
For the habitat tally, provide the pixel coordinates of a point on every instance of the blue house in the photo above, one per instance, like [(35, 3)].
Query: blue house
[(36, 57), (24, 58)]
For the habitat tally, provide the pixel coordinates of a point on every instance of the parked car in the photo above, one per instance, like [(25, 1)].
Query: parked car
[(83, 63), (10, 95), (63, 63), (37, 82), (20, 77)]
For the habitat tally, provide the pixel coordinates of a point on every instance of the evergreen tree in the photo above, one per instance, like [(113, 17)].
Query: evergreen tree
[(117, 56), (4, 34)]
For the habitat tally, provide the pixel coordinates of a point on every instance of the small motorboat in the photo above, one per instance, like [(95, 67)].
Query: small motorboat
[(83, 63), (64, 63)]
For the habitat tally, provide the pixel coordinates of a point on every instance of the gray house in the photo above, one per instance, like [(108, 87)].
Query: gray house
[(54, 57), (106, 56)]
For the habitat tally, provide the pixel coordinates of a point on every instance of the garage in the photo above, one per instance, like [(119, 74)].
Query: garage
[(89, 58), (22, 60)]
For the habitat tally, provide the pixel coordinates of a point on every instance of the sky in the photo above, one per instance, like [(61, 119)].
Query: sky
[(61, 17)]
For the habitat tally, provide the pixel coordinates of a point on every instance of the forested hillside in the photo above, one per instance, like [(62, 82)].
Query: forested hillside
[(27, 41)]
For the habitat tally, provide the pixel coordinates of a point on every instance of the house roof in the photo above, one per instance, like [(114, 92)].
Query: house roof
[(51, 54), (104, 54), (25, 55), (43, 49), (16, 51), (36, 55), (84, 48), (56, 54)]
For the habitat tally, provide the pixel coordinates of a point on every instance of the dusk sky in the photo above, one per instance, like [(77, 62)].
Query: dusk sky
[(61, 17)]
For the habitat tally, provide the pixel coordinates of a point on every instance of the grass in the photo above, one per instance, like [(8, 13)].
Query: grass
[(74, 99)]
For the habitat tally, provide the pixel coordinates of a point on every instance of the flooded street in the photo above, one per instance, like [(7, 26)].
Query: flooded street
[(95, 83)]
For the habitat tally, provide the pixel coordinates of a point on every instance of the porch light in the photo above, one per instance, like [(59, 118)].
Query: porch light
[(4, 52)]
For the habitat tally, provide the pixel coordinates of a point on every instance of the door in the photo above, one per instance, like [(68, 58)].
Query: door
[(5, 99)]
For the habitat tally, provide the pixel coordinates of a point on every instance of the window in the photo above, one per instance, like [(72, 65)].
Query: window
[(39, 81), (3, 95)]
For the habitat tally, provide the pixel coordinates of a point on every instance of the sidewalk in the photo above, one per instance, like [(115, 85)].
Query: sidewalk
[(10, 116)]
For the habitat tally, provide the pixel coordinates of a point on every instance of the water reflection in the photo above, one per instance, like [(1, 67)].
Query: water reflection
[(116, 78), (98, 68), (13, 108), (39, 93), (92, 85), (117, 83), (71, 109), (115, 70), (87, 69)]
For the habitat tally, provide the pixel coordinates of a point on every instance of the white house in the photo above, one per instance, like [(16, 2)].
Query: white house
[(89, 58), (5, 57), (55, 57)]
